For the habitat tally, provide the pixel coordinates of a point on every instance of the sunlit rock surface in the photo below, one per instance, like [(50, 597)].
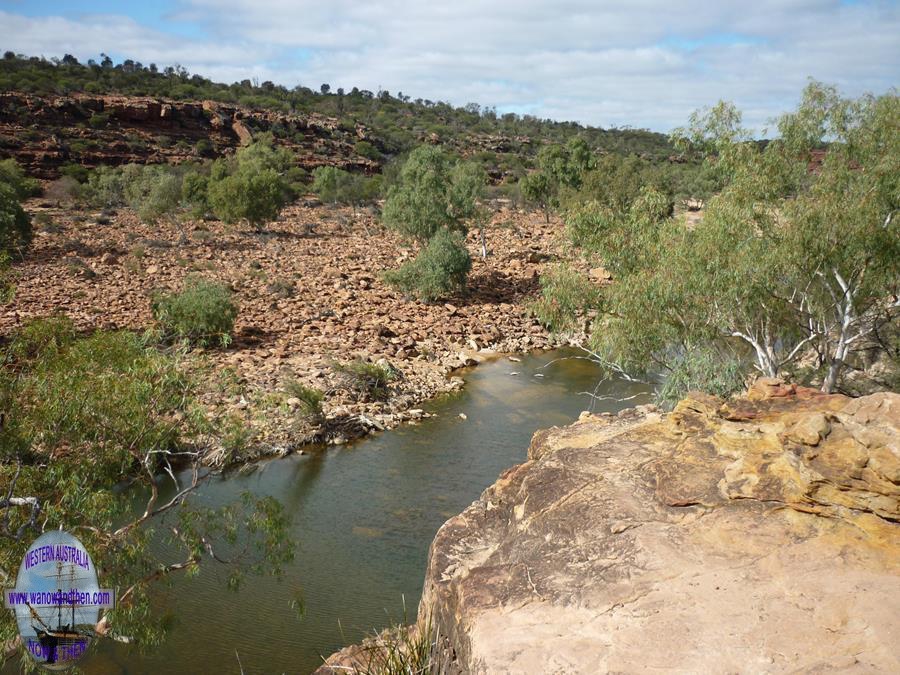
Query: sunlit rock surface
[(758, 535)]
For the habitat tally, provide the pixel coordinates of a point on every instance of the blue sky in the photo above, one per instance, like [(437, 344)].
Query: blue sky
[(639, 63)]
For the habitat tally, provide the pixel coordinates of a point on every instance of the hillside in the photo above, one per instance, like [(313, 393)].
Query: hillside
[(62, 112)]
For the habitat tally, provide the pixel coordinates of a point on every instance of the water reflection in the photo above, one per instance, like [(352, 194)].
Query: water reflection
[(364, 516)]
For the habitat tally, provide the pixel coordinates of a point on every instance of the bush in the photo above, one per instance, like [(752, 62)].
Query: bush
[(367, 150), (439, 269), (76, 171), (256, 197), (99, 120), (15, 225), (153, 192), (433, 191), (12, 174), (203, 312), (104, 187), (195, 192), (310, 399), (366, 378), (342, 187)]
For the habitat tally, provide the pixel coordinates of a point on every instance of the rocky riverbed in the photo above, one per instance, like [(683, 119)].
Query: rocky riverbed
[(310, 296)]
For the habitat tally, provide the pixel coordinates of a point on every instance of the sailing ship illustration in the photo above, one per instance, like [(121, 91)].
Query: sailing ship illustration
[(64, 643)]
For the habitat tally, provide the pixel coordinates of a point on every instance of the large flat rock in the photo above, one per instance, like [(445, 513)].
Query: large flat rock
[(756, 536)]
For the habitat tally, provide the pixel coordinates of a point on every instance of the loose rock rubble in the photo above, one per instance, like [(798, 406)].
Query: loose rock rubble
[(310, 294)]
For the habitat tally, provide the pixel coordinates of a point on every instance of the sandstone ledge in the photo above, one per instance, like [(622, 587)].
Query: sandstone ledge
[(760, 535)]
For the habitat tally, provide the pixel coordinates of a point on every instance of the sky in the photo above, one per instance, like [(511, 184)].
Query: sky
[(623, 63)]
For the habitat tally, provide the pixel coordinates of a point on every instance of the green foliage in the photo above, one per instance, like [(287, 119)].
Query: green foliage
[(195, 192), (7, 282), (566, 294), (367, 150), (433, 191), (11, 174), (310, 398), (703, 369), (251, 187), (15, 225), (202, 313), (439, 269), (405, 650), (104, 187), (99, 120), (342, 187), (109, 391), (152, 191), (368, 379), (791, 263), (82, 414)]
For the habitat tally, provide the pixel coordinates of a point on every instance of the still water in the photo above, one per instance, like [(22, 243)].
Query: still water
[(364, 516)]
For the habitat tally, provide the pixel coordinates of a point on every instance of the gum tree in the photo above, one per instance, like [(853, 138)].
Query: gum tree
[(796, 257)]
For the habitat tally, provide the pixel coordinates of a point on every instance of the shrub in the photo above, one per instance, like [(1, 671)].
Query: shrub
[(203, 148), (63, 190), (310, 399), (7, 283), (203, 312), (195, 192), (153, 192), (99, 120), (342, 187), (371, 379), (367, 150), (12, 175), (439, 269), (15, 225), (76, 171), (433, 191), (104, 187)]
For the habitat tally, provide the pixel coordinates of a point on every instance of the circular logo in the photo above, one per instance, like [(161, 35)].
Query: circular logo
[(57, 600)]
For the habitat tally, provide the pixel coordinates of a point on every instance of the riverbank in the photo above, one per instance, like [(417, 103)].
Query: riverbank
[(757, 533), (310, 297)]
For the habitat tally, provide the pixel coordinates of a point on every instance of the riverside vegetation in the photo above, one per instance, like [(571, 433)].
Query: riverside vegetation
[(792, 269)]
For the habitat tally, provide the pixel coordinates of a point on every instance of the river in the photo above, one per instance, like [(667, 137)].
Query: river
[(364, 516)]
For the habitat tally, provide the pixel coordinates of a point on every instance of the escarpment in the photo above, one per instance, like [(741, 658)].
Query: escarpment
[(756, 535), (44, 133)]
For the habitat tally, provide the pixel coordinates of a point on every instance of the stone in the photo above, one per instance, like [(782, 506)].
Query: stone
[(686, 542)]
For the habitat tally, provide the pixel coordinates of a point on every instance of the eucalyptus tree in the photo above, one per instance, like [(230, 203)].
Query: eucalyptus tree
[(797, 257)]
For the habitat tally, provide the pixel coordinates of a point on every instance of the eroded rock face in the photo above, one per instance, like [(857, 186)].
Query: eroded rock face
[(761, 535)]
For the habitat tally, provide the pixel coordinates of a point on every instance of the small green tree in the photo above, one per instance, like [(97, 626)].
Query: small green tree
[(433, 191), (252, 186), (15, 225), (538, 190), (247, 194), (440, 268)]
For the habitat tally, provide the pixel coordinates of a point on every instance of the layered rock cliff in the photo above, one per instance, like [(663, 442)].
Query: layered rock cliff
[(759, 535), (44, 133)]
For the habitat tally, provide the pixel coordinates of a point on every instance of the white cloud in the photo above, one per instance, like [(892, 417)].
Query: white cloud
[(639, 63)]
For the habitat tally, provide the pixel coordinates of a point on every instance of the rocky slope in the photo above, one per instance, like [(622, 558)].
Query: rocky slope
[(44, 133), (309, 292), (758, 535)]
